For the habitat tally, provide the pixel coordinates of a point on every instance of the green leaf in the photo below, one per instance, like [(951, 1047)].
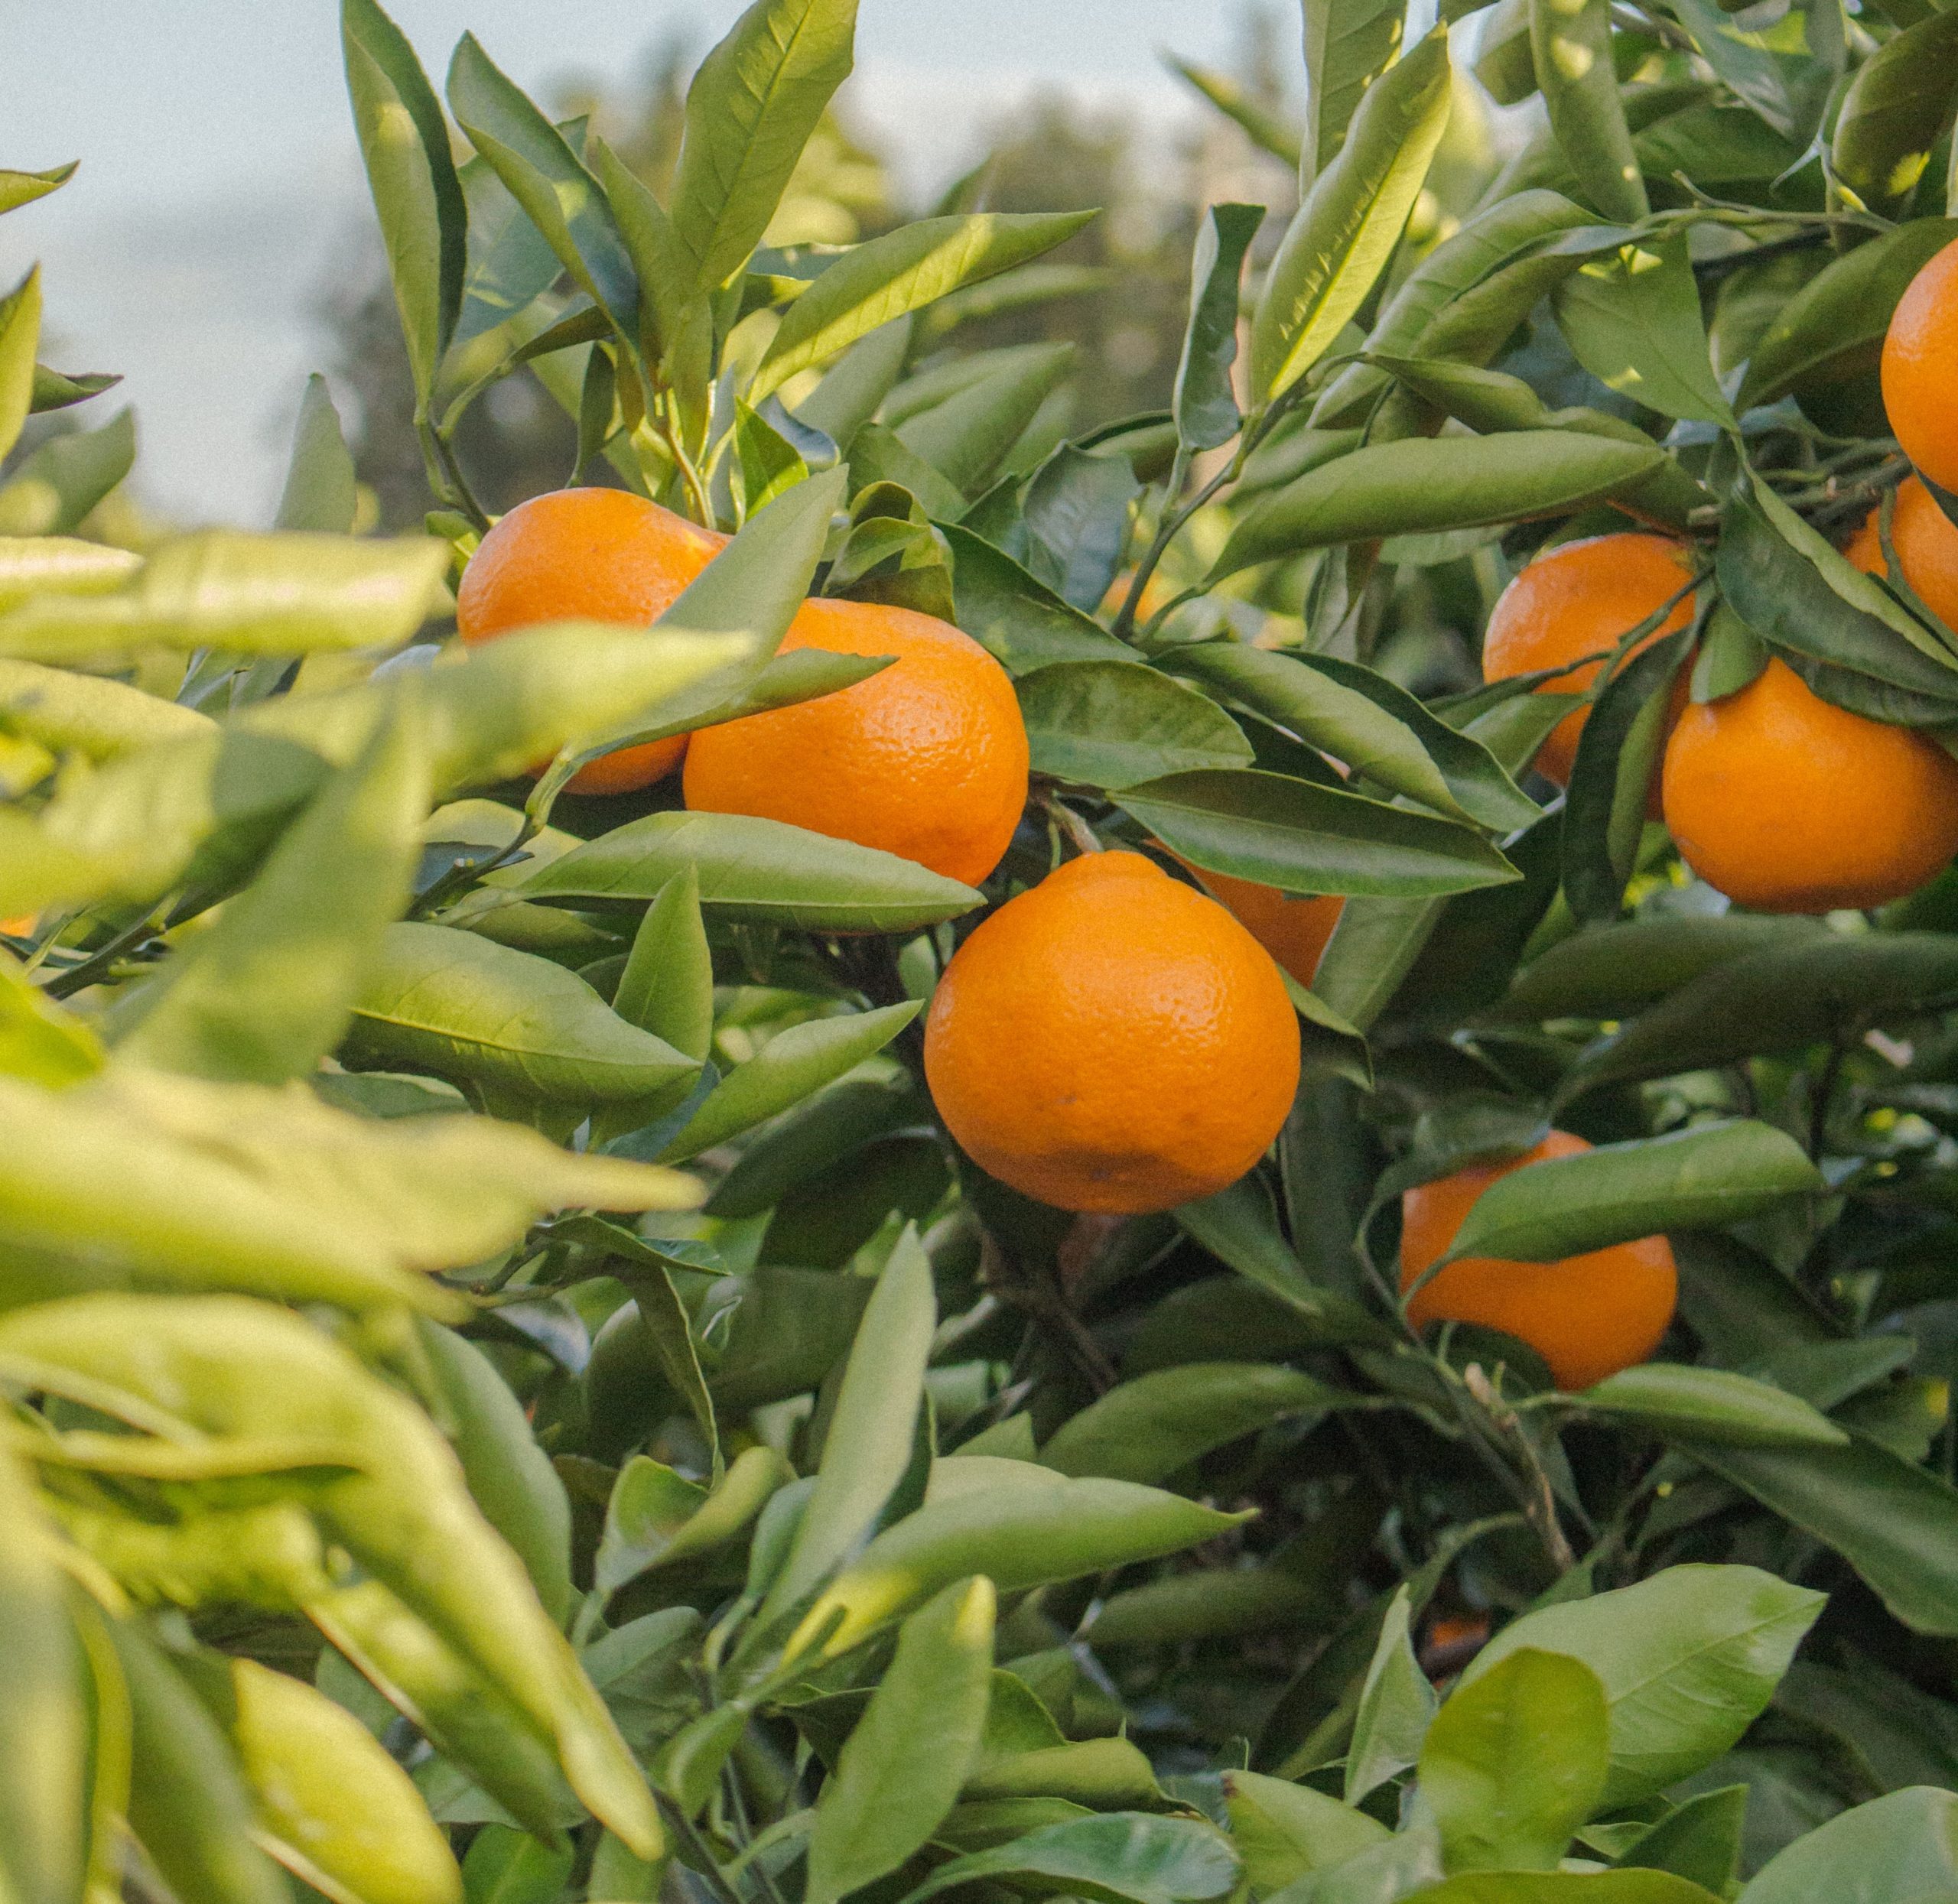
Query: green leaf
[(812, 1139), (1265, 129), (1813, 987), (418, 196), (517, 1026), (857, 383), (667, 987), (279, 594), (508, 1867), (33, 565), (1731, 656), (655, 1518), (510, 266), (1565, 1887), (42, 1767), (1205, 404), (1516, 1762), (1570, 47), (1891, 1520), (751, 106), (1347, 47), (1786, 79), (1896, 104), (22, 188), (1688, 1659), (270, 989), (1632, 318), (760, 870), (1699, 1840), (968, 437), (1424, 484), (39, 1040), (20, 336), (1124, 1858), (1396, 1706), (1116, 723), (1075, 510), (868, 1446), (1376, 728), (545, 176), (320, 488), (1016, 617), (1020, 1536), (903, 1765), (1304, 838), (509, 1477), (1611, 971), (1833, 327), (54, 489), (1341, 237), (778, 1333), (1904, 1845), (883, 279), (792, 1065), (1700, 1178), (1282, 1831), (1150, 1426), (1713, 1404)]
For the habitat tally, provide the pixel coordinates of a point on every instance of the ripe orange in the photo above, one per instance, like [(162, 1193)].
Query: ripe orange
[(18, 928), (1919, 369), (1587, 1316), (1926, 541), (600, 555), (1574, 600), (927, 760), (1112, 1041), (1292, 928), (1786, 803)]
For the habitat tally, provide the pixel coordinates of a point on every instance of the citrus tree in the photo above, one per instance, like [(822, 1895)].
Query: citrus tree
[(898, 1154)]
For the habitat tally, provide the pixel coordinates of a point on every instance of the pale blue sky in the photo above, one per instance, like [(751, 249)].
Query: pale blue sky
[(219, 181)]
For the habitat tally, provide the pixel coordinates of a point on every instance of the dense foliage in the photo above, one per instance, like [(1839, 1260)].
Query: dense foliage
[(512, 1393)]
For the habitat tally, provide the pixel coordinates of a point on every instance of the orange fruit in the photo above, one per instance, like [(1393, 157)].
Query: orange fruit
[(18, 928), (597, 555), (1919, 369), (927, 760), (1786, 803), (1293, 929), (1575, 599), (1112, 1041), (1587, 1316), (1926, 541)]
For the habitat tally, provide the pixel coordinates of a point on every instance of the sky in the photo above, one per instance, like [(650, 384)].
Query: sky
[(220, 188)]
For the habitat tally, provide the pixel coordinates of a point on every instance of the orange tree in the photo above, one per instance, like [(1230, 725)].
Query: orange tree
[(1137, 1240)]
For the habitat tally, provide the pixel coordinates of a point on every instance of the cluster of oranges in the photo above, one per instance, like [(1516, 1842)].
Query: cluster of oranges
[(1112, 1040)]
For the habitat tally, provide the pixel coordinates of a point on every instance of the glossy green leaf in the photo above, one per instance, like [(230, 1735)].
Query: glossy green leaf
[(1700, 1178), (1268, 131), (1632, 318), (1565, 1887), (20, 336), (1305, 838), (667, 987), (751, 106), (790, 1066), (903, 1765), (411, 174), (1124, 1858), (1903, 1845), (320, 488), (507, 1867), (1020, 1536), (1611, 971), (1424, 484), (270, 989), (1204, 403), (1778, 999), (778, 1332), (1372, 726), (279, 594), (1343, 235), (545, 176), (1515, 1762), (868, 1445), (1347, 49), (459, 1005), (812, 1140), (18, 188), (902, 271), (857, 383), (754, 869), (336, 1805), (1891, 1520), (1700, 1840), (1075, 510), (1786, 78), (509, 1477), (1117, 723), (1895, 105), (1570, 47), (1150, 1426), (1688, 1659), (1016, 617), (656, 1519), (57, 486), (1396, 1706), (1713, 1404), (1282, 1831), (967, 438)]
